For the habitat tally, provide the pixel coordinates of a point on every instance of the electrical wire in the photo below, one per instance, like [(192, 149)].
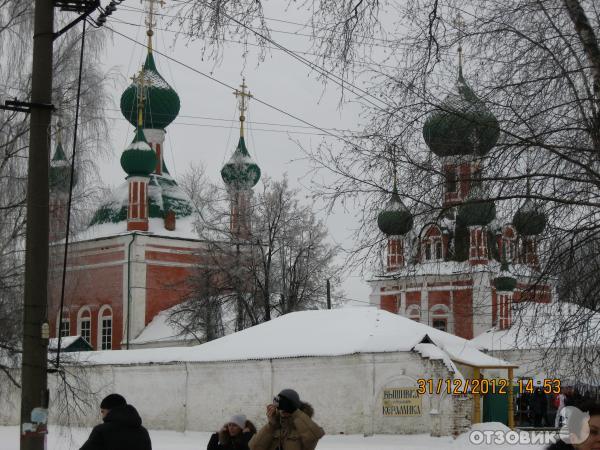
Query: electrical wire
[(256, 99), (71, 184)]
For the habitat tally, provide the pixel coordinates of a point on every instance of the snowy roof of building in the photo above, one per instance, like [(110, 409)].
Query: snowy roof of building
[(185, 228), (164, 194), (77, 342), (445, 268), (160, 329), (335, 332), (541, 325)]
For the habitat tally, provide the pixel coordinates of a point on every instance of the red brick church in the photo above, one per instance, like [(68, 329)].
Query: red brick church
[(461, 269), (136, 257)]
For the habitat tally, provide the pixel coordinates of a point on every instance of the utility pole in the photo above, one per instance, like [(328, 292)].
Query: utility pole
[(328, 294), (34, 384)]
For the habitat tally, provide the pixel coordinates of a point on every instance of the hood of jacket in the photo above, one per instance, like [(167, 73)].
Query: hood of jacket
[(307, 409), (126, 416)]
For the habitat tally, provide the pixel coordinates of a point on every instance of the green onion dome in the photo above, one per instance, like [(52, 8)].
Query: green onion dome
[(60, 171), (462, 125), (476, 210), (395, 219), (240, 172), (505, 281), (161, 102), (139, 158), (529, 220)]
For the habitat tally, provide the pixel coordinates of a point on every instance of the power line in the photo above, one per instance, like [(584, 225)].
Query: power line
[(256, 99), (344, 84), (232, 127), (304, 25), (178, 32), (222, 119)]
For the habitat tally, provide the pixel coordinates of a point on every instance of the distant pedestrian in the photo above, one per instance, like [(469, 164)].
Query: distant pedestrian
[(122, 428), (234, 435), (559, 402), (289, 425), (539, 405)]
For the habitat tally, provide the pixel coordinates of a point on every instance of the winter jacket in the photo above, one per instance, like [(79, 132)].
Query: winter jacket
[(122, 430), (560, 445), (224, 441), (296, 432)]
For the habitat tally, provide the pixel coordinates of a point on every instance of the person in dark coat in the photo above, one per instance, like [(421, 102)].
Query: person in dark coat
[(234, 435), (539, 406), (582, 431), (122, 428)]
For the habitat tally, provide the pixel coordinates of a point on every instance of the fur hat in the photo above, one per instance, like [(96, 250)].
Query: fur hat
[(289, 400), (112, 401), (239, 420)]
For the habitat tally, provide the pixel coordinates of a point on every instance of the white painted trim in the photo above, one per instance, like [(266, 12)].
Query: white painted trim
[(112, 327), (80, 313)]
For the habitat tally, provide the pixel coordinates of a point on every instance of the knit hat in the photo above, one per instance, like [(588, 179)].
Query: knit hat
[(112, 401), (239, 420), (289, 400)]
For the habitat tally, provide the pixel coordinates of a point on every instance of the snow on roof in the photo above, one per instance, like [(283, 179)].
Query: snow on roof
[(335, 332), (540, 325), (65, 342), (161, 329), (185, 228)]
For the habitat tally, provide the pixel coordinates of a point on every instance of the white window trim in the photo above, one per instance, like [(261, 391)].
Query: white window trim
[(65, 318), (82, 310), (440, 311), (101, 311)]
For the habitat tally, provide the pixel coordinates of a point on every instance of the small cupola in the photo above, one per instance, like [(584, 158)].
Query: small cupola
[(395, 219)]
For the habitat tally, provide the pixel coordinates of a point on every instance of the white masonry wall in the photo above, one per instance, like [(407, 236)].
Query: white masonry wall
[(345, 391)]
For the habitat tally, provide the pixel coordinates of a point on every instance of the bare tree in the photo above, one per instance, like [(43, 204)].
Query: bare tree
[(16, 30), (280, 267), (534, 63)]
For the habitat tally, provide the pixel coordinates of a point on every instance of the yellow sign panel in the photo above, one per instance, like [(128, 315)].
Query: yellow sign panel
[(401, 401)]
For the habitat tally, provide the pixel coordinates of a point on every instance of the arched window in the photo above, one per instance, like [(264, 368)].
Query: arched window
[(432, 248), (413, 312), (84, 324), (63, 326), (105, 328), (439, 317)]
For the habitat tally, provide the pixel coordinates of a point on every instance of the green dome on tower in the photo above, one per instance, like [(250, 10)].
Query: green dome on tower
[(395, 219), (138, 158), (161, 102), (529, 220), (461, 125), (60, 170), (240, 172)]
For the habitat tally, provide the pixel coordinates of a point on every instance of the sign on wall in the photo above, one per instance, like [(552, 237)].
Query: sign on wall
[(401, 401)]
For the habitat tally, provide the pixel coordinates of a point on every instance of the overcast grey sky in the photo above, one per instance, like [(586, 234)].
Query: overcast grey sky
[(206, 130)]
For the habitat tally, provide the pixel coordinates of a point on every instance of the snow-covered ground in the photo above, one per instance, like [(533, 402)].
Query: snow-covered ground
[(71, 439)]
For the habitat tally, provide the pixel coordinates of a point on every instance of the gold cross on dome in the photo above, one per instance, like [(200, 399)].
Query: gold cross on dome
[(139, 81), (459, 23), (242, 95), (150, 20)]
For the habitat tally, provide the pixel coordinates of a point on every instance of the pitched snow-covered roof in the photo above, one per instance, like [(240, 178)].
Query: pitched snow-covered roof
[(335, 332), (538, 325), (160, 329), (65, 341)]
